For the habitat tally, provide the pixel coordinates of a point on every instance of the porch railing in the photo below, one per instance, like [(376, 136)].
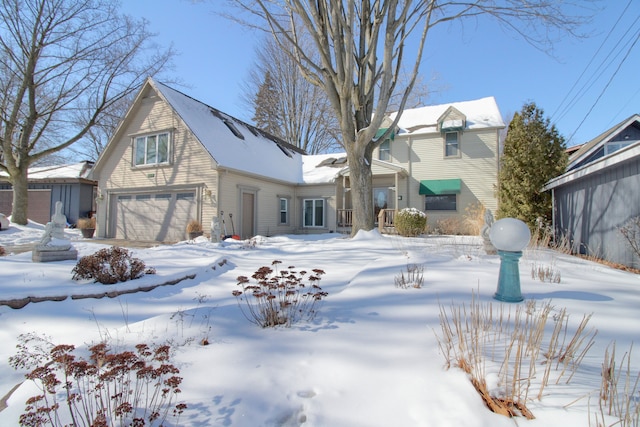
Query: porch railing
[(344, 218), (386, 217)]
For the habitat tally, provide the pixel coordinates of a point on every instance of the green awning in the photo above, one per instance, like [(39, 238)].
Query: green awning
[(436, 187), (381, 131)]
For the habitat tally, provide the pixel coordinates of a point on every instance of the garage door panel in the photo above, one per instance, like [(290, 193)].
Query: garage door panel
[(161, 216)]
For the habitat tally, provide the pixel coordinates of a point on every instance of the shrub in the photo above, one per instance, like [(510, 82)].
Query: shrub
[(109, 266), (86, 222), (194, 226), (136, 388), (474, 218), (2, 251), (410, 222), (279, 298), (413, 279), (481, 336), (631, 232)]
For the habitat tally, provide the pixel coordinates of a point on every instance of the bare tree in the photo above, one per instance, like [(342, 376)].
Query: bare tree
[(64, 64), (286, 104), (361, 48), (94, 141)]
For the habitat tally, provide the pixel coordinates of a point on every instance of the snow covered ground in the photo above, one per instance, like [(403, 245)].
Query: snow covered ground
[(369, 358)]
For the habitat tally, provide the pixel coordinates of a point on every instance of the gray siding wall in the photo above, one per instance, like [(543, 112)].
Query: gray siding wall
[(76, 198), (590, 211)]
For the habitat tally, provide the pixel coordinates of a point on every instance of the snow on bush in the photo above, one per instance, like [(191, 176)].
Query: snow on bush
[(109, 266), (410, 222)]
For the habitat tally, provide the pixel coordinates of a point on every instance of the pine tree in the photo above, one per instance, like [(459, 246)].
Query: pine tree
[(533, 154), (266, 107)]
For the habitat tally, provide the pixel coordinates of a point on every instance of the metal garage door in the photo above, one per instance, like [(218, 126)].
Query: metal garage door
[(154, 216)]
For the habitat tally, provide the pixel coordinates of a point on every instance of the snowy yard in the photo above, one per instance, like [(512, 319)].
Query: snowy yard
[(371, 356)]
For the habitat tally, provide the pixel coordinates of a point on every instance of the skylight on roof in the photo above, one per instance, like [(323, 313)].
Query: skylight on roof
[(284, 150), (232, 127)]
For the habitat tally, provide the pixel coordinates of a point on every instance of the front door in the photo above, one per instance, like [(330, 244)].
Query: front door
[(380, 201), (248, 215)]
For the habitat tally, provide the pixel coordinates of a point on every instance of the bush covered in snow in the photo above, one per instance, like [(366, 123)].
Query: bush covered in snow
[(109, 266), (410, 222)]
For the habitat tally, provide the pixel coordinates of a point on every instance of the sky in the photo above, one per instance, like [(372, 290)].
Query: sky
[(586, 86), (375, 354)]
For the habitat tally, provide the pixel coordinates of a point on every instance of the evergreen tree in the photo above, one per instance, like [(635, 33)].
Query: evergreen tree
[(533, 154), (266, 107)]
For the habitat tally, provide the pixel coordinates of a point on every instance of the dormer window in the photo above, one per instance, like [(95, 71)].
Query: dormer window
[(452, 120)]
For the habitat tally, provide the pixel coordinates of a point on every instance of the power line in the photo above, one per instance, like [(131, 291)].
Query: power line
[(593, 57), (606, 86), (598, 73)]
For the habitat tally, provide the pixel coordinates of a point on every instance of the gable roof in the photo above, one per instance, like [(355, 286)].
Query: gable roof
[(233, 143), (590, 148), (620, 156), (77, 171), (480, 113)]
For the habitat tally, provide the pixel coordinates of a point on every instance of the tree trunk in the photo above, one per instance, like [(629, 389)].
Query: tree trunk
[(20, 185), (360, 177)]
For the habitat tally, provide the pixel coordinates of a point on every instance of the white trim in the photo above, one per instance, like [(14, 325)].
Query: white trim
[(619, 156)]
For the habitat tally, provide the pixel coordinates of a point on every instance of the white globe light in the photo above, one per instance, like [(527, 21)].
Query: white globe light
[(509, 234)]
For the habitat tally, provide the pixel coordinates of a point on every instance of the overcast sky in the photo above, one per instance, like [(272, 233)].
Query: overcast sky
[(590, 85)]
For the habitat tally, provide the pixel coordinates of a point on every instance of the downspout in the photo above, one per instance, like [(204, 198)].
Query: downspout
[(553, 213), (410, 170), (396, 192)]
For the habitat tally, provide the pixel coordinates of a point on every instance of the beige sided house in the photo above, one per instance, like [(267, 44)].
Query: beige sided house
[(173, 159), (450, 153)]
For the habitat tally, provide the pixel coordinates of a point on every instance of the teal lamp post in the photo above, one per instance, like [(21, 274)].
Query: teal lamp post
[(509, 236)]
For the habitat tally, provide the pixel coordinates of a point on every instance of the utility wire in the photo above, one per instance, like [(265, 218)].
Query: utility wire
[(607, 85), (599, 71), (593, 57)]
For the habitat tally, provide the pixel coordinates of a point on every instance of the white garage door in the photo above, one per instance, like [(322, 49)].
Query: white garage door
[(154, 216)]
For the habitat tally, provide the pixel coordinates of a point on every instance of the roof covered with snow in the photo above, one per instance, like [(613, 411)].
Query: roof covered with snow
[(234, 144), (322, 168), (238, 146), (480, 113), (79, 170)]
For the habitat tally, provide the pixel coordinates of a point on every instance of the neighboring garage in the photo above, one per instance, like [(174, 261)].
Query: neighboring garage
[(161, 216)]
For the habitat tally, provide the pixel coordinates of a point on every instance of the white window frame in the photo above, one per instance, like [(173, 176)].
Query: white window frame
[(314, 219), (426, 198), (447, 145), (283, 211), (384, 150), (147, 140)]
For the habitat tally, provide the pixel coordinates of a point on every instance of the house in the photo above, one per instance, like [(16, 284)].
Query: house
[(450, 154), (70, 184), (598, 194), (174, 158)]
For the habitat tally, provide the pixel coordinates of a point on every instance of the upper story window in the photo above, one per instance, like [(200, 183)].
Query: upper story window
[(451, 144), (151, 149), (385, 150), (612, 147)]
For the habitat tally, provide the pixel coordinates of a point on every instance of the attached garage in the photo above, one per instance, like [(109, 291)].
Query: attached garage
[(161, 216)]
